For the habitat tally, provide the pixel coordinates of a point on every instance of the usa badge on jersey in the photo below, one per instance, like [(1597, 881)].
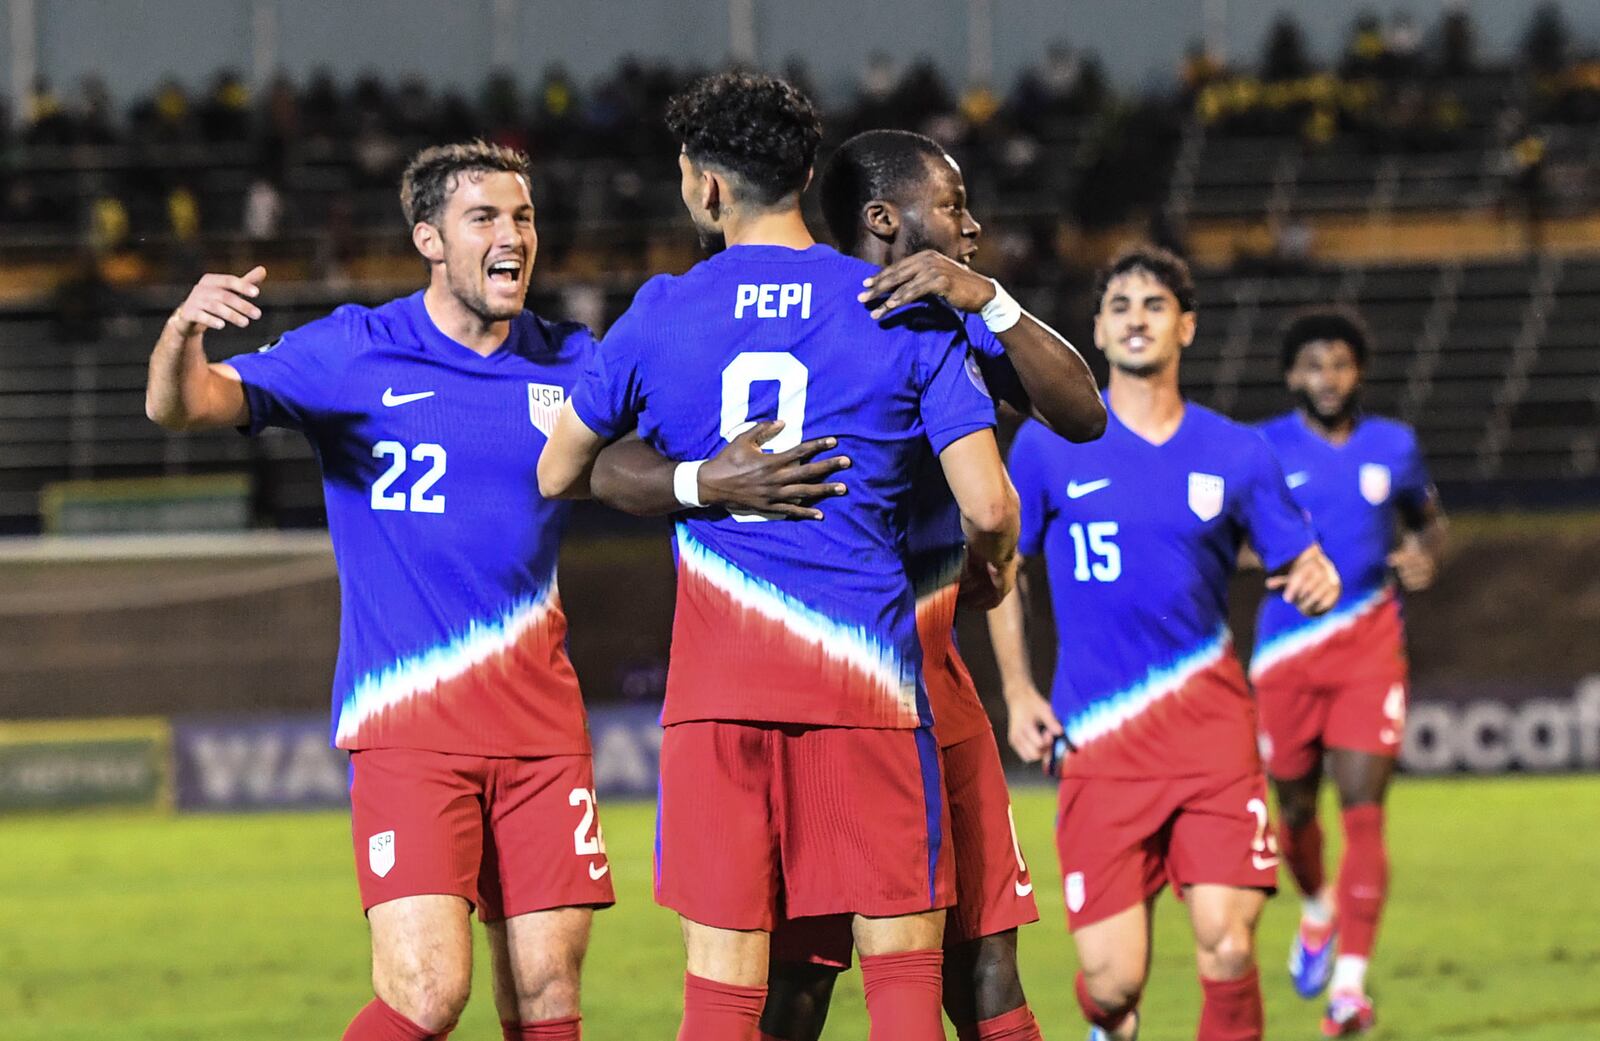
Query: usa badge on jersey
[(544, 405), (1374, 479), (1205, 495)]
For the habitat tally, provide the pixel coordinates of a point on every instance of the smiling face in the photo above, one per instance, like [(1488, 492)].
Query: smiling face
[(1325, 378), (1140, 325), (484, 243), (933, 215)]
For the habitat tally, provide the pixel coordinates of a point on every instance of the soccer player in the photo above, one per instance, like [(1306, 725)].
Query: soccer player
[(1336, 686), (470, 760), (1160, 778), (799, 772), (897, 200)]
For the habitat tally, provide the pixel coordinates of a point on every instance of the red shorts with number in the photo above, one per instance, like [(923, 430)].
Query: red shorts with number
[(1343, 694), (994, 892), (508, 835), (1120, 840), (759, 821)]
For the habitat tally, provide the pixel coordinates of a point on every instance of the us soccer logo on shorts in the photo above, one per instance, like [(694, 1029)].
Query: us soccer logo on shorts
[(1375, 483), (380, 853), (1205, 495), (544, 405), (1075, 892)]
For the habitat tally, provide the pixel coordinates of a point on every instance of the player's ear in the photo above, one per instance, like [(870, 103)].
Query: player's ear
[(881, 218), (810, 170), (1188, 324), (428, 241)]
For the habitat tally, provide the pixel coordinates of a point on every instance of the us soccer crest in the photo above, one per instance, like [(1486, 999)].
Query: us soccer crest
[(1205, 495), (1075, 892), (544, 405), (380, 853), (1375, 483)]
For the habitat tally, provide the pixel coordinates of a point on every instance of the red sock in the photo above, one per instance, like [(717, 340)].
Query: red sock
[(1363, 879), (903, 995), (764, 1036), (1016, 1025), (715, 1011), (568, 1029), (1107, 1021), (1232, 1009), (1302, 851), (379, 1022)]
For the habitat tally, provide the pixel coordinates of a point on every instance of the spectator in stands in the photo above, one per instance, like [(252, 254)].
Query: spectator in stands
[(183, 224), (94, 115), (224, 118), (82, 302), (45, 117), (166, 118), (1402, 47), (263, 209), (1365, 53), (501, 111), (321, 109), (1457, 41), (1544, 45), (1284, 57)]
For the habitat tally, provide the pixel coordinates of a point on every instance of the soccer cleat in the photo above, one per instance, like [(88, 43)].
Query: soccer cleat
[(1311, 959), (1349, 1013), (1097, 1034)]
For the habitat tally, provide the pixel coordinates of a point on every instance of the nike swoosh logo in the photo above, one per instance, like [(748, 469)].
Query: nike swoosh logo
[(1263, 863), (1297, 478), (1023, 888), (1078, 491), (391, 399), (598, 871)]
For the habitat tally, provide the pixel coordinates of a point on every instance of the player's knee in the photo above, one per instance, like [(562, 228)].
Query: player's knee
[(432, 1001), (995, 986), (1227, 953), (1115, 992), (797, 1001), (1297, 810)]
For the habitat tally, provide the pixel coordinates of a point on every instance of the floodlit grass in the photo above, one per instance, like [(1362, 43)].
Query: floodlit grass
[(247, 928)]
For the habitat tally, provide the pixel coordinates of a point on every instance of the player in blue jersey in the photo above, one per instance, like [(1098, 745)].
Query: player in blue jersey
[(800, 775), (897, 200), (1160, 778), (471, 773), (1335, 687)]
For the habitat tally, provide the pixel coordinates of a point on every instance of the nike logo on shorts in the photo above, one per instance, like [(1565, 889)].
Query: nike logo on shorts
[(598, 871), (391, 399)]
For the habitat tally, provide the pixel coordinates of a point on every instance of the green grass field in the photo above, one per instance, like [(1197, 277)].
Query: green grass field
[(248, 929)]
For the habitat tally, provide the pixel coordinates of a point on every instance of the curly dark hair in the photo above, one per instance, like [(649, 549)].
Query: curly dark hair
[(757, 128), (875, 164), (1327, 323), (1162, 265), (433, 173)]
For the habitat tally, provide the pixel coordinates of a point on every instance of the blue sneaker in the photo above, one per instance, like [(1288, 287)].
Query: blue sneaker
[(1096, 1034), (1310, 961)]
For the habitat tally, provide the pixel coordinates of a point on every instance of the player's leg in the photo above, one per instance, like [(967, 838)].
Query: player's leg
[(544, 871), (807, 956), (1362, 779), (902, 972), (1225, 919), (717, 866), (418, 829), (1113, 967)]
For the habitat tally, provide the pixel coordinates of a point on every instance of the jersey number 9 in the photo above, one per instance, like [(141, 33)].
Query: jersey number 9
[(750, 368)]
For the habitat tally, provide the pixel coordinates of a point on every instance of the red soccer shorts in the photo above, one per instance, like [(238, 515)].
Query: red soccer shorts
[(994, 892), (1335, 696), (759, 821), (508, 835), (1120, 841)]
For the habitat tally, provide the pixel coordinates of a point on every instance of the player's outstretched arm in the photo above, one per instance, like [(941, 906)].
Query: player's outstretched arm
[(1059, 383), (1031, 725), (183, 390), (1417, 558), (631, 476), (990, 512), (1310, 583), (568, 457)]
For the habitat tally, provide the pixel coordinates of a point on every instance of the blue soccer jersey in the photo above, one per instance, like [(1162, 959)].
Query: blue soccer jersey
[(1352, 492), (452, 637), (1140, 541), (790, 622)]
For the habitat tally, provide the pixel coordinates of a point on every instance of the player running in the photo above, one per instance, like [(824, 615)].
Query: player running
[(1337, 685), (1160, 778), (800, 775), (897, 200)]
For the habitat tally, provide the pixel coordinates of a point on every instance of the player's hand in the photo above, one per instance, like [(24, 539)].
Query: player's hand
[(1032, 727), (929, 273), (783, 484), (1311, 584), (1413, 565), (217, 301), (984, 583)]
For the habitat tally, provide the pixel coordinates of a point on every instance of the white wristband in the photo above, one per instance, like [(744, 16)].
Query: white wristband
[(686, 483), (1002, 312)]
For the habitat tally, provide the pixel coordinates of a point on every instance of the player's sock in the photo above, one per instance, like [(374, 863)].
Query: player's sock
[(378, 1022), (715, 1011), (903, 995), (1302, 851), (1016, 1025), (1107, 1021), (568, 1028), (764, 1036), (1349, 975), (1363, 880), (1232, 1009)]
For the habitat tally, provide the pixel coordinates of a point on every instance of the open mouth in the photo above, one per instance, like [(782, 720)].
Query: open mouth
[(506, 272), (1137, 343)]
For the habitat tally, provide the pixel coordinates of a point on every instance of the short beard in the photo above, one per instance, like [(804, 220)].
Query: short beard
[(1140, 369), (478, 304), (1343, 414), (712, 240)]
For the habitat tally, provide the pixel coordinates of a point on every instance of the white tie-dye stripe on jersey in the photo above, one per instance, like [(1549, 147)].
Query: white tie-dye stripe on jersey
[(419, 674), (1314, 632), (1112, 712), (851, 645)]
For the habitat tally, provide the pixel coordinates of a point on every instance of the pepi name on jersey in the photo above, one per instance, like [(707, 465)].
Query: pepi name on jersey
[(772, 300)]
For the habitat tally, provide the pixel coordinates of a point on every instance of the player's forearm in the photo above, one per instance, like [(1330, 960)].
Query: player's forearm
[(633, 477), (1059, 383), (178, 388), (1008, 635)]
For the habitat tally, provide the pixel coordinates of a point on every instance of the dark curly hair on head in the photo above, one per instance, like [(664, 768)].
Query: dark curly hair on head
[(758, 129), (1162, 265), (433, 174), (1328, 323), (875, 164)]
